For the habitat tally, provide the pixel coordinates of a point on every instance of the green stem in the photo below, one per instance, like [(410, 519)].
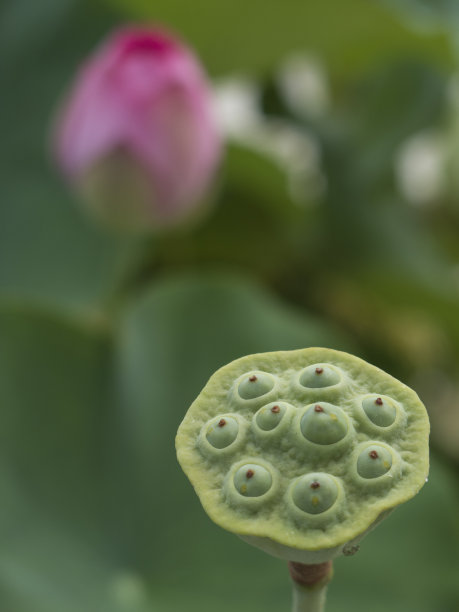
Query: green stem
[(308, 599), (309, 585)]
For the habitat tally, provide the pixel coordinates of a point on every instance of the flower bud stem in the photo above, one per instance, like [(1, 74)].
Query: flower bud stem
[(310, 585)]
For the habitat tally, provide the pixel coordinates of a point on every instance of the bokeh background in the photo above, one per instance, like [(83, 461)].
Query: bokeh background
[(335, 223)]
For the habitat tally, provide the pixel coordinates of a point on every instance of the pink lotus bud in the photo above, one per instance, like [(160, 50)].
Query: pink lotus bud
[(137, 135)]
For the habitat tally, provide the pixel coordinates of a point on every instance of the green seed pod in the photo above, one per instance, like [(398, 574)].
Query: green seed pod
[(319, 447)]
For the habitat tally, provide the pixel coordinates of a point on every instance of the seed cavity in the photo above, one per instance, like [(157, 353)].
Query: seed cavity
[(306, 494), (270, 416), (319, 376), (221, 432), (324, 424), (374, 461), (255, 384), (252, 480), (381, 411)]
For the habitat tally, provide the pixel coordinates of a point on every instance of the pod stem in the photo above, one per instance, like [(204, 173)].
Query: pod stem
[(309, 585)]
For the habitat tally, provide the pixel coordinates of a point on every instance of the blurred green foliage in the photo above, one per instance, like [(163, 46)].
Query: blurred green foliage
[(231, 36), (106, 338)]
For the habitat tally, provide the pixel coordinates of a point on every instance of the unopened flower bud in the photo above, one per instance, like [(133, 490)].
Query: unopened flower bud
[(136, 135)]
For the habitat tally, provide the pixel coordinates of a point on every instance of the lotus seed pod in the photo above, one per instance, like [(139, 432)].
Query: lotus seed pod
[(320, 447)]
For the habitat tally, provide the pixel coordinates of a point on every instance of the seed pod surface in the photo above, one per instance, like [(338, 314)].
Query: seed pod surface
[(303, 452)]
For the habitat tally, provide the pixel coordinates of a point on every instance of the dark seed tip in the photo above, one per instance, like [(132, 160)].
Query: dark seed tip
[(378, 401), (249, 473), (221, 423), (315, 484), (318, 408), (373, 454), (275, 409), (319, 370), (253, 378)]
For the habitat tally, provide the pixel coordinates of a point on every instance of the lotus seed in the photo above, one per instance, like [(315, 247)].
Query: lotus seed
[(315, 493), (381, 412), (221, 432), (269, 416), (324, 424), (374, 461), (252, 480), (255, 385), (319, 376)]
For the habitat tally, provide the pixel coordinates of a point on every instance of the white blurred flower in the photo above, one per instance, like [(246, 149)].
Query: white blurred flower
[(240, 119), (419, 168), (304, 83), (236, 101)]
